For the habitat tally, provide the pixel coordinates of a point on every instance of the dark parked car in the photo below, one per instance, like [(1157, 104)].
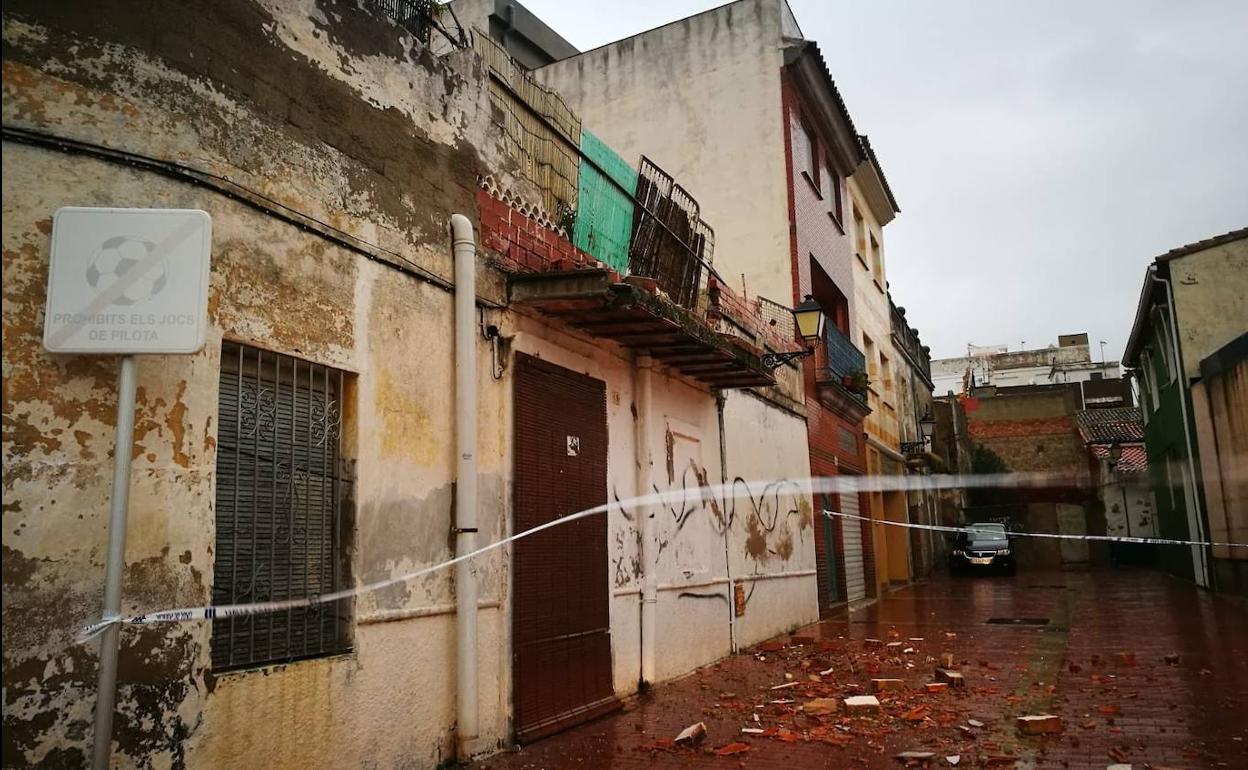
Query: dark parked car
[(984, 547)]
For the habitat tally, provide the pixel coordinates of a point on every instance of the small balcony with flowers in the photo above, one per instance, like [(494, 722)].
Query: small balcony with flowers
[(841, 379)]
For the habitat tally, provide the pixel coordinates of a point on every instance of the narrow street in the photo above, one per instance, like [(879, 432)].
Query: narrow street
[(515, 384), (1104, 662)]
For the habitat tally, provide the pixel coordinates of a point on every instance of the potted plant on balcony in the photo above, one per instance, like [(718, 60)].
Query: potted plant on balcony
[(856, 381)]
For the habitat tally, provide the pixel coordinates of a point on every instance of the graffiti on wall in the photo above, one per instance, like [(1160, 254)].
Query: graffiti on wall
[(775, 517)]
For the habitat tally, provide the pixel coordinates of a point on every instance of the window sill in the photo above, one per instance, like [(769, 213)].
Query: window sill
[(837, 222), (813, 185), (328, 659), (861, 260), (876, 281)]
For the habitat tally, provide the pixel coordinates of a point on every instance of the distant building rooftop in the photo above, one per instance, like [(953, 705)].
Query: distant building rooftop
[(1122, 425), (525, 37)]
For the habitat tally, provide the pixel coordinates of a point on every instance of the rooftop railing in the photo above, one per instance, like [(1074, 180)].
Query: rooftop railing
[(424, 17)]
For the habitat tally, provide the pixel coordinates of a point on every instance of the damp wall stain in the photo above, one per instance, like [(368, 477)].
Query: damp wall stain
[(248, 96)]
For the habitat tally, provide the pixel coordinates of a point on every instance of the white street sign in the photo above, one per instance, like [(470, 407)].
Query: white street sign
[(128, 281)]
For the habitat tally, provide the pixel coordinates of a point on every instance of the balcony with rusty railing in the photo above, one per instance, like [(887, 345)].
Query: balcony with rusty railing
[(841, 375), (670, 306), (670, 243)]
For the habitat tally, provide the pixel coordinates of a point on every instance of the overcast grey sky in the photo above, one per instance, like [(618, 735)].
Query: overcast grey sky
[(1042, 153)]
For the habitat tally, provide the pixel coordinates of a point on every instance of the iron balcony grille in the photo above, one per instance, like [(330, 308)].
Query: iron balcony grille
[(282, 513), (670, 243), (838, 359)]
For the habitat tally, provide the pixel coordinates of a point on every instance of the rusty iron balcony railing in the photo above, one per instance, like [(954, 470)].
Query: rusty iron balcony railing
[(670, 243), (424, 17)]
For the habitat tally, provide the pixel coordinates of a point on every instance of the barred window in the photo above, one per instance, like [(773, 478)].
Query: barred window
[(282, 508)]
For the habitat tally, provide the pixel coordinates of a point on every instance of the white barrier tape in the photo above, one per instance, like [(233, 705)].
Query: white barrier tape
[(1053, 535), (826, 485)]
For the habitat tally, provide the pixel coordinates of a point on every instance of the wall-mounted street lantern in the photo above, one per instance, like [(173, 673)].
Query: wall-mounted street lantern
[(927, 424), (810, 319), (1115, 454)]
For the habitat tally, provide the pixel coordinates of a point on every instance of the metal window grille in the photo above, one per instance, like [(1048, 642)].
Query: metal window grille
[(422, 17), (282, 508)]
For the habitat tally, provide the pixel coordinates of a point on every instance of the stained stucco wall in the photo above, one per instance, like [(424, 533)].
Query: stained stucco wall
[(701, 97), (1128, 505), (772, 521), (340, 119), (1209, 290), (1219, 406)]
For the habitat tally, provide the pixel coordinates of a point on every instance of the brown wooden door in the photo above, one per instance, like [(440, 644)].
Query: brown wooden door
[(560, 615)]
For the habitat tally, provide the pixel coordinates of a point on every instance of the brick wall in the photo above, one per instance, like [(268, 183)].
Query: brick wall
[(1032, 432), (1017, 428), (814, 231), (524, 243)]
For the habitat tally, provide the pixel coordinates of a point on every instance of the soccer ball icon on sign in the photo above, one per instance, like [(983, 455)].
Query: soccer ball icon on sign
[(114, 260)]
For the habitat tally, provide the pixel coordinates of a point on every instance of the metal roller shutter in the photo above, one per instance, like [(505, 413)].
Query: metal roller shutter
[(851, 536), (560, 615)]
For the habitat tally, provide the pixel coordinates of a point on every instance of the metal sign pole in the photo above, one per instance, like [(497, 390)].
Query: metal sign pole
[(115, 565)]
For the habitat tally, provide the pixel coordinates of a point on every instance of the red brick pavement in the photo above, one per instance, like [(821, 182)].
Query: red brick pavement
[(1192, 713)]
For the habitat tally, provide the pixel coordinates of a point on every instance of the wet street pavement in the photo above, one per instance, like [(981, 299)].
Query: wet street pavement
[(1143, 669)]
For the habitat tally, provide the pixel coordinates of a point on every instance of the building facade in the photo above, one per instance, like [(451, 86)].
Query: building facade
[(1069, 361), (1033, 430), (310, 445), (700, 97), (951, 443), (871, 208), (1191, 305), (1114, 438), (915, 420)]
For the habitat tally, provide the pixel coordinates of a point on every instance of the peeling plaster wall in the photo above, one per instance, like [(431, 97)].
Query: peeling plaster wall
[(1128, 504), (675, 94), (323, 111), (317, 110)]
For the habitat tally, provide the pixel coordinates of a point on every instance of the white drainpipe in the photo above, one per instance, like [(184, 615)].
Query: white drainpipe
[(720, 400), (649, 548), (465, 250), (1200, 565)]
